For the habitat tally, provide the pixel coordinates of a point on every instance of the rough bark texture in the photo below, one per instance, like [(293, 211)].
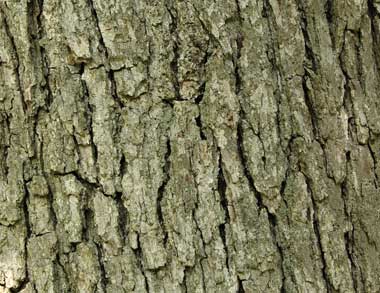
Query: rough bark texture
[(189, 146)]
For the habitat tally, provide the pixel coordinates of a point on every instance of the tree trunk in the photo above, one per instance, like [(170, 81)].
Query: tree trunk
[(189, 146)]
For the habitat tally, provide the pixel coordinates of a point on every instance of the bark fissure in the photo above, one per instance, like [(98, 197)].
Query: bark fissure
[(329, 12), (346, 76), (309, 105), (138, 254), (348, 240), (316, 228), (222, 187), (174, 62), (239, 47), (273, 228), (17, 67), (162, 189), (273, 56), (6, 146), (89, 111), (372, 14), (109, 70), (374, 162), (103, 273), (28, 234), (243, 160), (25, 203), (122, 219), (240, 286), (349, 235), (272, 218), (198, 100), (44, 59), (50, 194)]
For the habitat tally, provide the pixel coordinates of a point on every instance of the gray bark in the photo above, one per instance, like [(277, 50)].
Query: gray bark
[(189, 146)]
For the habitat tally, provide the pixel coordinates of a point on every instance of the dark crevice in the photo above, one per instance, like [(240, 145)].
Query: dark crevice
[(239, 46), (161, 189), (114, 94), (150, 59), (88, 218), (123, 217), (198, 120), (198, 100), (25, 204), (89, 185), (66, 278), (184, 281), (346, 76), (283, 187), (26, 279), (359, 60), (176, 54), (372, 13), (267, 12), (44, 59), (222, 188), (46, 86), (238, 79), (272, 218), (288, 151), (207, 31), (318, 235), (170, 103), (273, 55), (329, 12), (139, 257), (348, 236), (203, 277), (50, 197), (273, 228), (240, 288), (77, 151), (103, 274), (17, 69), (311, 59), (314, 121), (32, 18), (21, 286), (123, 166), (238, 11), (109, 70), (50, 191), (374, 160), (96, 19), (194, 216), (6, 145), (196, 221), (348, 240), (309, 105), (244, 160), (82, 66), (88, 115)]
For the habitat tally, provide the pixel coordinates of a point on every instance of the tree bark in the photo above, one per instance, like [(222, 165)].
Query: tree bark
[(189, 146)]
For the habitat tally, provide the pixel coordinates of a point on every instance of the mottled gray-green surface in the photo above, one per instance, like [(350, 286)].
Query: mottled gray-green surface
[(189, 146)]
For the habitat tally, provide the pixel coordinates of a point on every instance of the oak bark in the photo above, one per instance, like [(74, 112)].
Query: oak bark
[(189, 146)]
